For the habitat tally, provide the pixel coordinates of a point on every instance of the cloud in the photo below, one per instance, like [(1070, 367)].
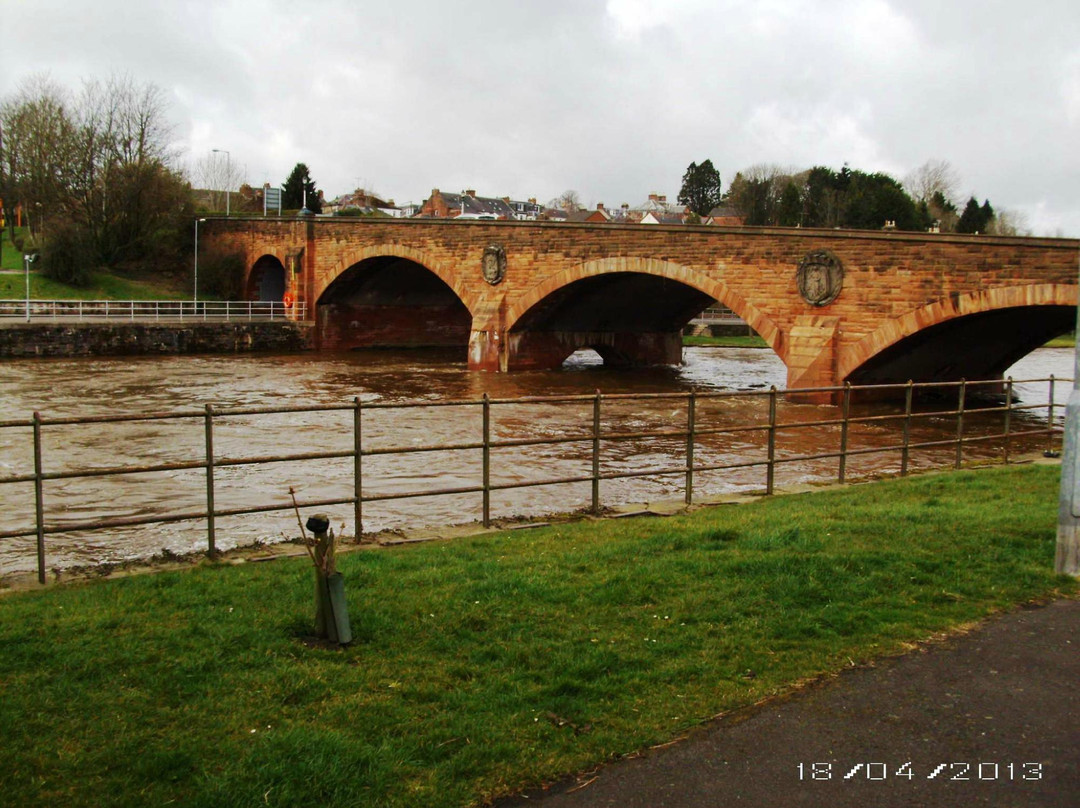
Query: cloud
[(613, 99)]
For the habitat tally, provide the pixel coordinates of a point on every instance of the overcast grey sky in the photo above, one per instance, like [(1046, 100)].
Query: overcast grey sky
[(611, 98)]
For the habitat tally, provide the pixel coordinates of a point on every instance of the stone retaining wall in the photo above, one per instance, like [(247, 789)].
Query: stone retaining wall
[(132, 339)]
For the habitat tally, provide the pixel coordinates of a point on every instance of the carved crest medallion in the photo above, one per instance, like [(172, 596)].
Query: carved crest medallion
[(494, 264), (820, 277)]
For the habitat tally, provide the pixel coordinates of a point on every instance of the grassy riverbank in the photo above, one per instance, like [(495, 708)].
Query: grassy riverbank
[(103, 285), (486, 665), (751, 341)]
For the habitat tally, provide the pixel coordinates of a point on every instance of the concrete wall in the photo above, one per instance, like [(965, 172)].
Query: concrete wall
[(131, 339)]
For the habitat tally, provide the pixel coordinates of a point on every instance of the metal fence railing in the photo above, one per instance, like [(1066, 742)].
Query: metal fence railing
[(718, 315), (149, 310), (687, 430)]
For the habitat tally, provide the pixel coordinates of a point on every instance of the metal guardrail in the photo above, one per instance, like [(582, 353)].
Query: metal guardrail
[(591, 436), (720, 316), (150, 310)]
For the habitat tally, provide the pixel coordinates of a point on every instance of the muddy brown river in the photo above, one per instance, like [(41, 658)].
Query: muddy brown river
[(104, 386)]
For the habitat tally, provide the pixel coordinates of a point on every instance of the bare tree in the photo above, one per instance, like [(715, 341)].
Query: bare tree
[(217, 175), (37, 145), (568, 200), (102, 165), (932, 177), (1009, 223)]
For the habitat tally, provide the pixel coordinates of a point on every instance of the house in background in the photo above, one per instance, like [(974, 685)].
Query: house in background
[(465, 205), (525, 211), (724, 216), (657, 205), (362, 203), (653, 217)]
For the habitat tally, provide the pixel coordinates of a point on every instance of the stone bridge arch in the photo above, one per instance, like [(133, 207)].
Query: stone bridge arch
[(267, 278), (973, 335), (391, 295), (528, 346), (446, 274)]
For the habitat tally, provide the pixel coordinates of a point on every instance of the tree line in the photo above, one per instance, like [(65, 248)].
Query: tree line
[(97, 184), (767, 195), (93, 175)]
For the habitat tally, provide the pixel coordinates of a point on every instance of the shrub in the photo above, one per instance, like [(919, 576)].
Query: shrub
[(67, 255), (221, 273)]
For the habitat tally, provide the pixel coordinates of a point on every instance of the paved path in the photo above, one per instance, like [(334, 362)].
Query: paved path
[(989, 718)]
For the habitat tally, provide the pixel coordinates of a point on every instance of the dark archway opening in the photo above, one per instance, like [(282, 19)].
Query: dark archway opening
[(628, 318), (266, 281), (391, 302), (978, 346)]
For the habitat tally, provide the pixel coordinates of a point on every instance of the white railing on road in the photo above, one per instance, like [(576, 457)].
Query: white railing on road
[(149, 310)]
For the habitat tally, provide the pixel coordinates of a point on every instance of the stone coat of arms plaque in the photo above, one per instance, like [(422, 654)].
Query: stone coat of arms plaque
[(494, 264), (820, 277)]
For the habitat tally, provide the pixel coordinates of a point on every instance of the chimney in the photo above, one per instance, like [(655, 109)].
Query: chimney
[(599, 205), (471, 193), (626, 206), (654, 197), (663, 199)]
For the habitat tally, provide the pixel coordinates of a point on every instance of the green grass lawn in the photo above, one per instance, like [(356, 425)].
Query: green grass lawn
[(10, 258), (486, 665), (750, 341), (103, 286), (1065, 341)]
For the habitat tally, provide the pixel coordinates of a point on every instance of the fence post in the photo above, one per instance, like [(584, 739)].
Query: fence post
[(844, 430), (770, 472), (596, 454), (1050, 419), (960, 424), (358, 477), (691, 415), (1008, 416), (39, 506), (487, 460), (211, 547), (904, 453)]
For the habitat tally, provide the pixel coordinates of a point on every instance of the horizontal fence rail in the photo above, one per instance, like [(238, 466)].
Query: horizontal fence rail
[(718, 316), (139, 311), (688, 427)]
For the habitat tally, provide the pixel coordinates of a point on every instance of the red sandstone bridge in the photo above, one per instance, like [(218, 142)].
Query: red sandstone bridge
[(835, 305)]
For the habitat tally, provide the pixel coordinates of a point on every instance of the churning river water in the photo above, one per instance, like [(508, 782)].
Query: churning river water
[(109, 386)]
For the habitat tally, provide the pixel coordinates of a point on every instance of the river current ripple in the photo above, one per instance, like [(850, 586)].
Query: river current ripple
[(108, 386)]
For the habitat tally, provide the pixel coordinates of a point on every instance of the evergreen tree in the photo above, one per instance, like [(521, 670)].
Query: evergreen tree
[(701, 188), (296, 186), (975, 219), (874, 199), (789, 212)]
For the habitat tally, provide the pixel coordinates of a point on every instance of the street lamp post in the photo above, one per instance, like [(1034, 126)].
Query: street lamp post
[(228, 175), (195, 293), (27, 261)]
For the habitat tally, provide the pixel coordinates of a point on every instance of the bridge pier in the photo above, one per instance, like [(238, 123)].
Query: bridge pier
[(811, 358), (546, 350)]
